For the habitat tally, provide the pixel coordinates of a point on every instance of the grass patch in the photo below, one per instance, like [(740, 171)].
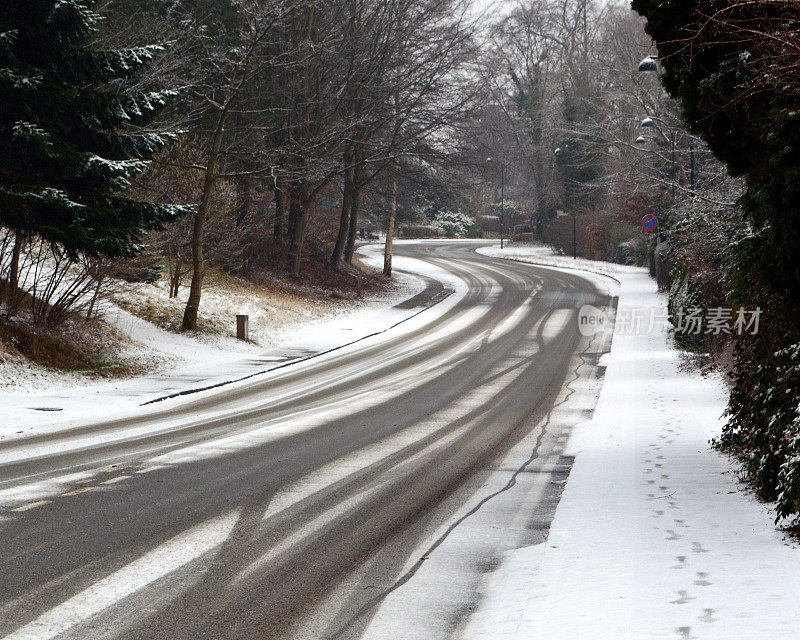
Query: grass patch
[(66, 348)]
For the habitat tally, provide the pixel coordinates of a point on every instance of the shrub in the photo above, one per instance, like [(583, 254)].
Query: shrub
[(764, 429), (455, 224), (628, 244)]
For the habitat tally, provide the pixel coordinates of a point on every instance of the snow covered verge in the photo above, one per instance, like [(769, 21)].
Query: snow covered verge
[(45, 400), (654, 536), (140, 337), (544, 255), (274, 310)]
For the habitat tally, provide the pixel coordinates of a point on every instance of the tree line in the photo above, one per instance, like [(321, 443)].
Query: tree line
[(133, 120), (201, 132)]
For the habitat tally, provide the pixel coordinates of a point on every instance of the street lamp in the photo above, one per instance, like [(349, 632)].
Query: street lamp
[(650, 121), (502, 196), (649, 64)]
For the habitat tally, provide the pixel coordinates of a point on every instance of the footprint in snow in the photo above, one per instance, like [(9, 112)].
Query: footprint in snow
[(698, 548), (708, 616), (702, 579), (673, 535), (683, 598)]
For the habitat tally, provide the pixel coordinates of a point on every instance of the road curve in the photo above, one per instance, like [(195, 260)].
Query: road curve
[(243, 513)]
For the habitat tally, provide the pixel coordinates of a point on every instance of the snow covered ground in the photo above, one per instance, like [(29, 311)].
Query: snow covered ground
[(44, 400), (542, 254), (654, 537)]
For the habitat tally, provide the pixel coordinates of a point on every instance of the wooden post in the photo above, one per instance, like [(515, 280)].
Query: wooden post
[(243, 327)]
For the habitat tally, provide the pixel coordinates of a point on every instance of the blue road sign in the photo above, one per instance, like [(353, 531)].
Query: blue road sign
[(650, 223)]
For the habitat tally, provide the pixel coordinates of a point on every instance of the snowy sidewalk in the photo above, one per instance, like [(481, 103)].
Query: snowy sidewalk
[(654, 537)]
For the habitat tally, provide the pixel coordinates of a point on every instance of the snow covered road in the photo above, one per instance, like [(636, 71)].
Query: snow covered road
[(364, 493)]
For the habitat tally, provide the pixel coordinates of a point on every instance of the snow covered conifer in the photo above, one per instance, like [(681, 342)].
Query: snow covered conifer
[(72, 134)]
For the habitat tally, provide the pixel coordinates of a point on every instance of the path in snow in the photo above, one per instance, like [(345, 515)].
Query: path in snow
[(654, 536)]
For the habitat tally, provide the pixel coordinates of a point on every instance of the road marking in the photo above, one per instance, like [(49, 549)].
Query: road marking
[(32, 505), (75, 492), (155, 467), (113, 480), (155, 564)]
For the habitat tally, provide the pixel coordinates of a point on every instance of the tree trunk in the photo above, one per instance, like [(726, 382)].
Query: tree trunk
[(352, 232), (298, 217), (387, 252), (279, 228), (344, 218), (174, 267), (291, 211), (95, 298), (198, 264), (12, 298)]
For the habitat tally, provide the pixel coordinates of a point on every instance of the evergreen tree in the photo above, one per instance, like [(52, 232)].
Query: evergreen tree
[(71, 132)]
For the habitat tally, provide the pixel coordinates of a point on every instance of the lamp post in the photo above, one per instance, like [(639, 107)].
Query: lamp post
[(650, 63), (502, 197), (650, 121), (558, 152)]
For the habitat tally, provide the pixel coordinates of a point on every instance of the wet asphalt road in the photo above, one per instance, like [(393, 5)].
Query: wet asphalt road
[(331, 477)]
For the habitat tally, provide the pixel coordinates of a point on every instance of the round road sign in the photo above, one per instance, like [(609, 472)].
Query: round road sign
[(650, 223)]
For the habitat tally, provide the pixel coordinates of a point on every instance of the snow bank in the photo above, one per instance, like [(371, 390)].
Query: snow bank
[(654, 537), (544, 255)]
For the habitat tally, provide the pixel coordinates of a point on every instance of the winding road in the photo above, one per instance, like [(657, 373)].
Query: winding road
[(366, 493)]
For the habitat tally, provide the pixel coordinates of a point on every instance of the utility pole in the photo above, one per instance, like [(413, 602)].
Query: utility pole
[(574, 236), (502, 200), (502, 196), (672, 170), (558, 152)]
